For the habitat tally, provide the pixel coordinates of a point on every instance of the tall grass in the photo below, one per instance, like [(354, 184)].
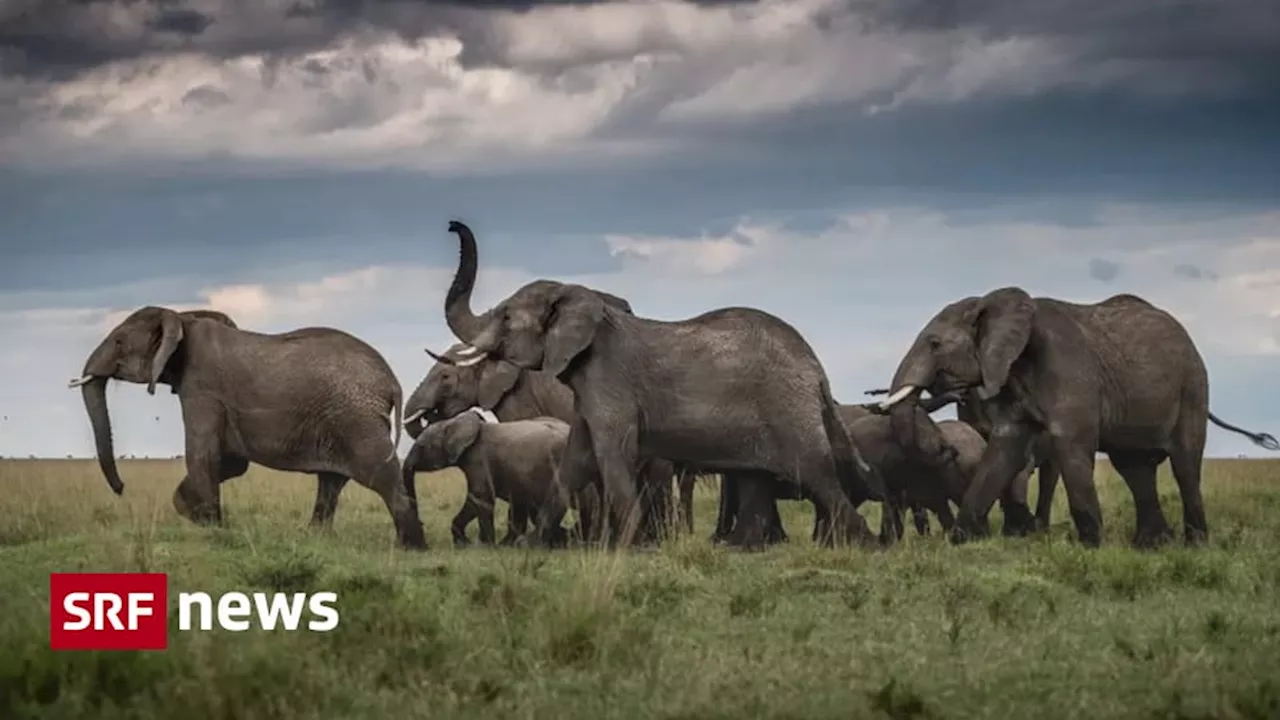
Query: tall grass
[(1036, 627)]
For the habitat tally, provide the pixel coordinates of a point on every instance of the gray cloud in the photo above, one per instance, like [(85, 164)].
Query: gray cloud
[(1193, 272), (1103, 270)]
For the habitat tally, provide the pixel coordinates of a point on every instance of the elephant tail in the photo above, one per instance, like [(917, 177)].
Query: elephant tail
[(1266, 440), (851, 467)]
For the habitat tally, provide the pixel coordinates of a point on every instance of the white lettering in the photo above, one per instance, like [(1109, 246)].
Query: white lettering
[(136, 609), (70, 604), (107, 605), (280, 605), (226, 612), (199, 599), (318, 606)]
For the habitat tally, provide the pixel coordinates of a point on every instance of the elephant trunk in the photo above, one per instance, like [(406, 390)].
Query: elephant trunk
[(463, 322), (95, 404), (914, 373)]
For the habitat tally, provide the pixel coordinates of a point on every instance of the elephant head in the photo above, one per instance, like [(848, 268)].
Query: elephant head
[(544, 325), (145, 348), (443, 444), (450, 388), (971, 343)]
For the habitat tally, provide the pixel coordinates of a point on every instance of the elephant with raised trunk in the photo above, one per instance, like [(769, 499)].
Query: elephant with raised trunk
[(456, 383), (314, 400), (513, 461), (1120, 376), (731, 389)]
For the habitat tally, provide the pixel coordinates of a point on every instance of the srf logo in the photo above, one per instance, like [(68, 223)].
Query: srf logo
[(108, 611)]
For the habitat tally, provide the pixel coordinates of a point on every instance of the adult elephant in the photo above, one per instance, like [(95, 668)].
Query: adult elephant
[(458, 382), (314, 400), (734, 388), (1120, 376)]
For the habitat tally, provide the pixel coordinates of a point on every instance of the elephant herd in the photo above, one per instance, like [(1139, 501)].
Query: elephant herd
[(560, 397)]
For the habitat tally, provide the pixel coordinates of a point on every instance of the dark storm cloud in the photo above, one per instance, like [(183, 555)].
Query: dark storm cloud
[(1235, 44), (59, 38), (1103, 270)]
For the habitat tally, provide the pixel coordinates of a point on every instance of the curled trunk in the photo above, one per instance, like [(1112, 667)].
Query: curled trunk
[(457, 302), (95, 404)]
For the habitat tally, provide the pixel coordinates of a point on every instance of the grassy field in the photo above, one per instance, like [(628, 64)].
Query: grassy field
[(999, 629)]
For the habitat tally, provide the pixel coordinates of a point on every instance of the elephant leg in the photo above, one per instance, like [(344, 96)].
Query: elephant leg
[(755, 495), (687, 480), (458, 526), (517, 523), (1048, 478), (186, 497), (920, 516), (328, 487), (1018, 520), (615, 451), (1186, 460), (891, 523), (727, 514), (1004, 458), (774, 532), (385, 477), (1075, 458), (1139, 472)]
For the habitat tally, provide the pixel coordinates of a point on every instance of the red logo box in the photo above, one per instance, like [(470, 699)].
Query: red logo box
[(108, 611)]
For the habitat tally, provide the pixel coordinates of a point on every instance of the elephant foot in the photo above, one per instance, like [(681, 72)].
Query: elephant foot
[(461, 541), (1018, 521), (508, 540), (1195, 537), (1152, 538)]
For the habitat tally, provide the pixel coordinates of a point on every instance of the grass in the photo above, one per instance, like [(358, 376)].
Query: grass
[(1002, 628)]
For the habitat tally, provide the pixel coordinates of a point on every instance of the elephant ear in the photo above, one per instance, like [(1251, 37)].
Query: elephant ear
[(171, 334), (497, 378), (459, 435), (1004, 327), (576, 312)]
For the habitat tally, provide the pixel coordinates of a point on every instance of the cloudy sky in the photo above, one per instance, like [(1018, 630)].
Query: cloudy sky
[(850, 165)]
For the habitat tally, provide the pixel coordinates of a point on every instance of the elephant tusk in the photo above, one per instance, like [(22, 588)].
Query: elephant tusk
[(468, 351), (470, 361), (80, 381), (897, 397), (414, 417)]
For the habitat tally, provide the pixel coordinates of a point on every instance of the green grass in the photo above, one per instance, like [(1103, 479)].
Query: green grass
[(1034, 628)]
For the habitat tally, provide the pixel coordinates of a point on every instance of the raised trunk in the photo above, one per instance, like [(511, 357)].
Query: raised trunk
[(95, 403), (457, 302)]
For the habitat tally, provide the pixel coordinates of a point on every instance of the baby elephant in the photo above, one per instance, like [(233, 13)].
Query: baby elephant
[(516, 461), (926, 464)]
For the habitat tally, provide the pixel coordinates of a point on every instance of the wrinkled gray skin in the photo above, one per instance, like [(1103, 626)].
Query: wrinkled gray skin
[(1120, 376), (926, 465), (514, 461), (511, 393), (314, 400), (731, 389), (969, 410)]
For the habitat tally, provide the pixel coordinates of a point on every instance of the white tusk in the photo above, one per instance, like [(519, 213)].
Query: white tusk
[(485, 414), (471, 361), (415, 416), (79, 381), (897, 397), (468, 350)]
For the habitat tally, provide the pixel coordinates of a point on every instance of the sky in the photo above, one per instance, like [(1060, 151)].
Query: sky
[(848, 165)]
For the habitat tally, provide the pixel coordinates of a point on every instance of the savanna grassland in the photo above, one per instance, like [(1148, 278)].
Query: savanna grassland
[(1032, 628)]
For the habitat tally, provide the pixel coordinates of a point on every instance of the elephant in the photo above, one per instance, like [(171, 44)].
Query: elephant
[(314, 400), (1120, 376), (452, 387), (927, 465), (773, 531), (731, 389), (515, 461)]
